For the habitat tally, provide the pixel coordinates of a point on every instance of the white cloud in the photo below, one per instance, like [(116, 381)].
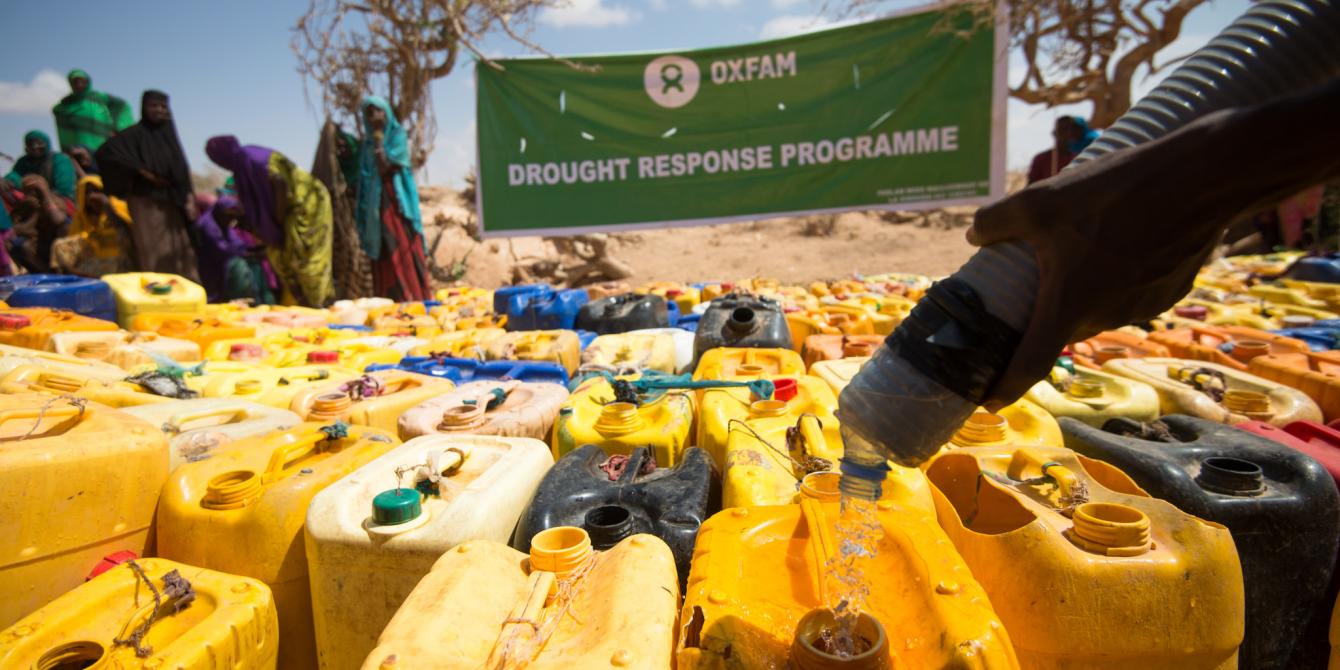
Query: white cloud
[(785, 4), (792, 24), (702, 4), (587, 14), (34, 97)]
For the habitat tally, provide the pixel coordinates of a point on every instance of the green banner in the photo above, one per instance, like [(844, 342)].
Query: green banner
[(899, 113)]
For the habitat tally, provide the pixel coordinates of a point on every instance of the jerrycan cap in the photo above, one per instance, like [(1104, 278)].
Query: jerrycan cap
[(318, 357), (158, 288), (396, 506), (1197, 312), (673, 293), (785, 389), (14, 321)]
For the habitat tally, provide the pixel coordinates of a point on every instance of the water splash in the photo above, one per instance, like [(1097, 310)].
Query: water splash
[(858, 533)]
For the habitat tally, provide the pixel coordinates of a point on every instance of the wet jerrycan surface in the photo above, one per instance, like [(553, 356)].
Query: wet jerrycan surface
[(467, 343), (1073, 554), (1113, 344), (1094, 396), (838, 373), (613, 497), (369, 540), (1020, 423), (273, 387), (1280, 505), (196, 428), (764, 449), (32, 327), (759, 574), (627, 353), (558, 346), (592, 415), (832, 347), (139, 293), (241, 511), (741, 320), (376, 399), (218, 621), (1208, 343), (503, 408), (1315, 373), (622, 313), (732, 362), (93, 473), (475, 609), (1216, 392)]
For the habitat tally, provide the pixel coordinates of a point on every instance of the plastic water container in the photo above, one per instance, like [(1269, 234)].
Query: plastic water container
[(1021, 423), (614, 497), (1181, 383), (462, 370), (1113, 344), (405, 324), (1233, 346), (1316, 269), (242, 512), (688, 322), (481, 598), (590, 416), (151, 292), (683, 342), (1138, 583), (230, 623), (545, 310), (38, 379), (1280, 505), (760, 574), (376, 399), (838, 373), (558, 346), (402, 344), (32, 327), (122, 349), (201, 330), (503, 408), (1317, 339), (1319, 441), (276, 388), (12, 357), (76, 485), (817, 348), (502, 297), (459, 344), (369, 541), (829, 320), (81, 295), (739, 320), (196, 428), (622, 313), (1315, 373), (355, 312), (732, 362), (1094, 396), (627, 353)]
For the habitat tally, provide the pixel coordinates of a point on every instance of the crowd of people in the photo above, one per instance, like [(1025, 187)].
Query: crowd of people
[(118, 197)]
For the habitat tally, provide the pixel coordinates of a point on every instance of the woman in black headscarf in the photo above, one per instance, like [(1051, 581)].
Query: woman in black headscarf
[(145, 166)]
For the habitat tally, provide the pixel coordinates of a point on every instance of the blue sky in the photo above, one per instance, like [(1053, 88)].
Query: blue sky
[(229, 68)]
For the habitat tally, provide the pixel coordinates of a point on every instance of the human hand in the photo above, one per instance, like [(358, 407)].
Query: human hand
[(153, 179), (34, 186)]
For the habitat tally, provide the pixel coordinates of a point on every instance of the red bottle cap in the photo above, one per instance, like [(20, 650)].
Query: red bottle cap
[(14, 321), (110, 561), (785, 389), (318, 357), (673, 293), (727, 287), (245, 350), (1197, 312)]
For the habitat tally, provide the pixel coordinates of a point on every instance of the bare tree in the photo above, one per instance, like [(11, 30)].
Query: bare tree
[(1079, 50), (352, 48)]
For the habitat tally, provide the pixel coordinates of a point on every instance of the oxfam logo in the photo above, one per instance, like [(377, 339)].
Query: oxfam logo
[(671, 81)]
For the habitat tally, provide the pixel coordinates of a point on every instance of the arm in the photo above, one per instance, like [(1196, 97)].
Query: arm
[(280, 186)]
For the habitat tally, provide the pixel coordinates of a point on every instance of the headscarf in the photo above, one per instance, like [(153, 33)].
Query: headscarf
[(103, 238), (1087, 136), (153, 147), (250, 166), (396, 144), (89, 118), (56, 168), (217, 245)]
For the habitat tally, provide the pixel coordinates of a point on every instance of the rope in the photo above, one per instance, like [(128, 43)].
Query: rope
[(179, 594), (1201, 379), (364, 387), (515, 651), (80, 403), (807, 466), (653, 384), (336, 431)]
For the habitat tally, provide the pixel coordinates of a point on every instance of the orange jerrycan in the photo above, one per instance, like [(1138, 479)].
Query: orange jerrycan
[(196, 428), (592, 415), (560, 346), (832, 347), (152, 613), (32, 327), (1217, 392), (241, 511), (1084, 568), (1316, 373), (139, 293), (838, 373), (376, 399), (78, 481), (731, 362), (764, 579), (201, 330), (486, 605), (505, 408), (1203, 343), (1113, 344), (1020, 423), (764, 449)]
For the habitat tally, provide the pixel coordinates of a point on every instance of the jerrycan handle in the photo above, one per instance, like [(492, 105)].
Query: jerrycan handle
[(234, 414), (284, 456), (65, 414), (1066, 481), (822, 543)]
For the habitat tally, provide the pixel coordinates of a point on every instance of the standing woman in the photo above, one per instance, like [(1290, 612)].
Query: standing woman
[(336, 165), (388, 219), (87, 117), (288, 209), (145, 166)]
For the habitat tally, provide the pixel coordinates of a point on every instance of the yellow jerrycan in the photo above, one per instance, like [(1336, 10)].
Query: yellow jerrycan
[(1085, 569), (1217, 392), (123, 349), (764, 449), (366, 530), (152, 613), (13, 357), (201, 330), (1093, 396), (632, 352), (1019, 423), (376, 399), (486, 605), (559, 346), (196, 428), (837, 373), (731, 362), (467, 343), (764, 580), (592, 415), (200, 375), (34, 379), (505, 408), (241, 511), (78, 481), (140, 292), (273, 387)]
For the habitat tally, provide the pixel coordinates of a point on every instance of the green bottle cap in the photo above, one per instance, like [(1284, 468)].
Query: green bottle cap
[(1066, 363), (156, 288), (396, 506)]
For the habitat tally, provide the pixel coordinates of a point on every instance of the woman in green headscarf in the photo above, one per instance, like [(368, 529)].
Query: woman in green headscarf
[(39, 159), (87, 117)]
